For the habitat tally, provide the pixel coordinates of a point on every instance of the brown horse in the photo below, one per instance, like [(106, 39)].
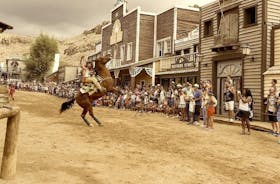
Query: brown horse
[(85, 100)]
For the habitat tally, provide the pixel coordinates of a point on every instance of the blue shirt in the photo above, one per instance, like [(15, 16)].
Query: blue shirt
[(198, 94)]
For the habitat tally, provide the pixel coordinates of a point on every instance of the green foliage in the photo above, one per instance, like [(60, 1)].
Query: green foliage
[(41, 57)]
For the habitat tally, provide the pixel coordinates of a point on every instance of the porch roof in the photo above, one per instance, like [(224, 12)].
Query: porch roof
[(275, 70)]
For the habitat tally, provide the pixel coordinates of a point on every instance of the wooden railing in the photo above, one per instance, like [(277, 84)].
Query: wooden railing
[(9, 159), (223, 39), (114, 63)]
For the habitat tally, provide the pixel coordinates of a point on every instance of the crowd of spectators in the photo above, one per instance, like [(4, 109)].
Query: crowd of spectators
[(64, 90)]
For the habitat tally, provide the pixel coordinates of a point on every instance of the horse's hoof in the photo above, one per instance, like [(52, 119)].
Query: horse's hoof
[(100, 125), (90, 125)]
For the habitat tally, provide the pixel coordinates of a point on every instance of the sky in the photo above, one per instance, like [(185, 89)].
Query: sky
[(67, 18)]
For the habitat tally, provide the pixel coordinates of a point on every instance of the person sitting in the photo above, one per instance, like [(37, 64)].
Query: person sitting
[(89, 78)]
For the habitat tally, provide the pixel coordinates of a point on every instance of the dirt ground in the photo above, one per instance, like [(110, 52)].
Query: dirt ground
[(134, 148)]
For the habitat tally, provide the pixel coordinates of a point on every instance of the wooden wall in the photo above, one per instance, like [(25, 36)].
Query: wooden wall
[(117, 13), (273, 18), (165, 25), (106, 34), (277, 47), (207, 13), (252, 69), (128, 26), (187, 20), (146, 40)]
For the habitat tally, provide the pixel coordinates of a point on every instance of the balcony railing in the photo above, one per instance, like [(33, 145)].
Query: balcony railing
[(181, 62), (114, 63), (222, 39)]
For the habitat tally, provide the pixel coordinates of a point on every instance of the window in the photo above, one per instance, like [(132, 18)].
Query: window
[(122, 50), (160, 49), (129, 52), (195, 48), (187, 51), (178, 52), (167, 46), (250, 16), (208, 28), (164, 47)]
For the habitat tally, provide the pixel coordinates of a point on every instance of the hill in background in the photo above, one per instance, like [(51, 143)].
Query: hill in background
[(17, 46)]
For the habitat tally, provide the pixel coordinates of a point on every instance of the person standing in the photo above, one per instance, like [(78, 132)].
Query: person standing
[(244, 109), (197, 99), (205, 99), (182, 105), (229, 100), (188, 91), (211, 105), (271, 111), (12, 91)]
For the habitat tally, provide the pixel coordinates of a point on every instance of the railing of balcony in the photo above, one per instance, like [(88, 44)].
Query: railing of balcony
[(223, 39), (114, 63), (187, 61)]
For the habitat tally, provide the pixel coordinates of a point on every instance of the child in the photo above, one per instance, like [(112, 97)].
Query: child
[(211, 104), (182, 105)]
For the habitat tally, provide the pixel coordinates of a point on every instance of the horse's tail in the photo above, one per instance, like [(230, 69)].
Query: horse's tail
[(67, 105)]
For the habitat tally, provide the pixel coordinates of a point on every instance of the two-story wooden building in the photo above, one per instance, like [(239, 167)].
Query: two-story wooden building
[(184, 65), (137, 39), (129, 38), (235, 39)]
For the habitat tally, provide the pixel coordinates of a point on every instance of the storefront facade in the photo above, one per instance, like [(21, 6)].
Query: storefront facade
[(235, 41)]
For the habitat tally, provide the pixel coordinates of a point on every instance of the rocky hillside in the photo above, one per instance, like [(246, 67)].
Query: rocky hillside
[(17, 46)]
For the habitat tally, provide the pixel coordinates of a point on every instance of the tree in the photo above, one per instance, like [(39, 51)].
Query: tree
[(41, 57)]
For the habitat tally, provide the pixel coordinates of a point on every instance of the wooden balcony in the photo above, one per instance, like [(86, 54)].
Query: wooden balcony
[(223, 43), (181, 62), (114, 63)]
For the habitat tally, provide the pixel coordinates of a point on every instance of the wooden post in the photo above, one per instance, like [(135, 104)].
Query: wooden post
[(9, 159)]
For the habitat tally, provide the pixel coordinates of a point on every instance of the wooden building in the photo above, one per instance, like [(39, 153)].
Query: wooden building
[(137, 39), (13, 69), (184, 65), (124, 37), (274, 70), (235, 39)]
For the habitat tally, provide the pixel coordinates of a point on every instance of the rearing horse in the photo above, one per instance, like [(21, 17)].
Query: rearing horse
[(85, 100)]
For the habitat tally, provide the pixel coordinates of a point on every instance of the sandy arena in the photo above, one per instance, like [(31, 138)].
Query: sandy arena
[(134, 148)]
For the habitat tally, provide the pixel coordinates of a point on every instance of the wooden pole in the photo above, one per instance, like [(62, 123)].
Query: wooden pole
[(9, 159)]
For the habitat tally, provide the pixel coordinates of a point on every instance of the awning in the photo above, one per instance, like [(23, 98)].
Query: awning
[(275, 70)]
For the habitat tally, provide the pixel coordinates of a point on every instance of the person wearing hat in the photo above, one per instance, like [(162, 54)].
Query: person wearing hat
[(198, 102), (89, 77)]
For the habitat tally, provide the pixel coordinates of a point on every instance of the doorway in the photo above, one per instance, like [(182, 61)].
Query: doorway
[(225, 68)]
